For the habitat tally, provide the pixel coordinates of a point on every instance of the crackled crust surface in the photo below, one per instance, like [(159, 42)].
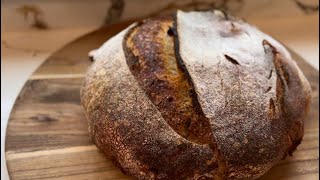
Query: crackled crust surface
[(197, 95)]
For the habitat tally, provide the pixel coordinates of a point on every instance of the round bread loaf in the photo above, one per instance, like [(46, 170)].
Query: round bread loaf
[(195, 95)]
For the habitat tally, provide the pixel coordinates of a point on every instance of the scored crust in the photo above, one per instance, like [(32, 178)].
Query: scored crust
[(128, 127), (197, 95)]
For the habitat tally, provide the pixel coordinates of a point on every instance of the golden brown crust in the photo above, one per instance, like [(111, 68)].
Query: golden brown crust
[(241, 117)]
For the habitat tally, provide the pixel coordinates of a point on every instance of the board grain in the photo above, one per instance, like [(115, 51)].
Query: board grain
[(47, 135)]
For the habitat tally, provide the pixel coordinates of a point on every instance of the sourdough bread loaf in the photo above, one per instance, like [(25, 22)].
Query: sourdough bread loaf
[(195, 95)]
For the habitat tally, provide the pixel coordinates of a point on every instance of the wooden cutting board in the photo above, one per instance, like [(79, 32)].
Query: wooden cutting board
[(47, 136)]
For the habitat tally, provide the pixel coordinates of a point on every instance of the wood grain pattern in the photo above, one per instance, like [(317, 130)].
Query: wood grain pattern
[(73, 58), (47, 136)]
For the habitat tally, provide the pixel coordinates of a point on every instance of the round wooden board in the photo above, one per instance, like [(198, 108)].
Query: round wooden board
[(47, 136)]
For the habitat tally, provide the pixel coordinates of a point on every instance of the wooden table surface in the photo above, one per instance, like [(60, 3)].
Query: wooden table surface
[(47, 136)]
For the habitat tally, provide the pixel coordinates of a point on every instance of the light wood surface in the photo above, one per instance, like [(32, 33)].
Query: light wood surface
[(47, 136)]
